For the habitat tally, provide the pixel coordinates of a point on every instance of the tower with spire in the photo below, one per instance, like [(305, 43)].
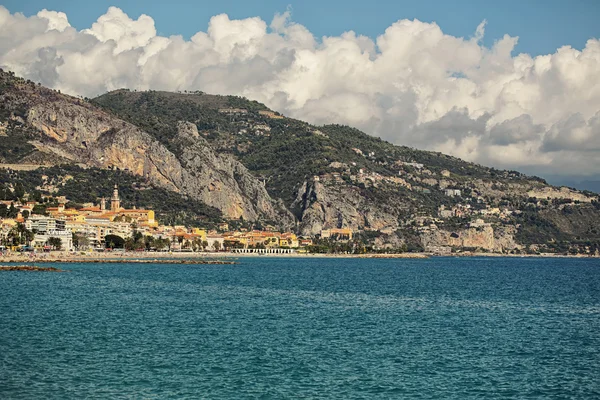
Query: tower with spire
[(115, 201)]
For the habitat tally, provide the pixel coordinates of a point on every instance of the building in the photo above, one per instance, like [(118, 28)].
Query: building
[(339, 234), (42, 224), (142, 217), (270, 114), (115, 201), (452, 192), (233, 111), (215, 241), (49, 227)]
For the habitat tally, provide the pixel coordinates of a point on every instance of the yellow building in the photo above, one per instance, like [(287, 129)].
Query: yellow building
[(200, 233), (337, 233), (142, 217)]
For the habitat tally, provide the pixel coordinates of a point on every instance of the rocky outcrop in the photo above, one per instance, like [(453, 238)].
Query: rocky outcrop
[(74, 132), (221, 181), (559, 193), (325, 206), (485, 237)]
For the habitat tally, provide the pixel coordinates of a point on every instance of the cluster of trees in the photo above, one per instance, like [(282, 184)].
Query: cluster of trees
[(136, 242), (54, 242), (331, 246), (8, 212), (16, 145), (18, 235)]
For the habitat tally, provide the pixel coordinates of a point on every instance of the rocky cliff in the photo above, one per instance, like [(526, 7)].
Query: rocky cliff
[(326, 206), (498, 240), (71, 130), (221, 181)]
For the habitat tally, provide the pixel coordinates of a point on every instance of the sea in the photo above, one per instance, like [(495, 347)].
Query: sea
[(304, 328)]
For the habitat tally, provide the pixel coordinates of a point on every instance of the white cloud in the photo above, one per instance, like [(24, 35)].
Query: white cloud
[(412, 85), (56, 20), (127, 34)]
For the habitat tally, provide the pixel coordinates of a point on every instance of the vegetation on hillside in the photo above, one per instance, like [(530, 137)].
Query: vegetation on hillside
[(159, 112)]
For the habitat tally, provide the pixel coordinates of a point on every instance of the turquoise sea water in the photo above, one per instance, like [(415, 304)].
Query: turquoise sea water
[(441, 328)]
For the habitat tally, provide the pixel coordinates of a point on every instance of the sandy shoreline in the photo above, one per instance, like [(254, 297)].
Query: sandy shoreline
[(228, 257)]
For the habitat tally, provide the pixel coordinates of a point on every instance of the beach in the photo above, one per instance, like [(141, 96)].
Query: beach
[(228, 257)]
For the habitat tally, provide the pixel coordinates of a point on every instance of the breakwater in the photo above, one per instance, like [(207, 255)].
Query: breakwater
[(29, 268)]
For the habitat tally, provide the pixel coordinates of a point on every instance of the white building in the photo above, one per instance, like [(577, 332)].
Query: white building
[(45, 228), (43, 224), (212, 239), (66, 239), (452, 192)]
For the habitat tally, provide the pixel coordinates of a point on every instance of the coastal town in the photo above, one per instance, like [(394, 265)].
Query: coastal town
[(108, 226), (36, 222)]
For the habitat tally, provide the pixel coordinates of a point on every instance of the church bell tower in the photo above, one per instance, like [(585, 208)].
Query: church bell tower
[(115, 201)]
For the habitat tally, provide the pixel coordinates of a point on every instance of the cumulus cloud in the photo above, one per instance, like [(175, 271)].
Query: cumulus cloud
[(412, 85)]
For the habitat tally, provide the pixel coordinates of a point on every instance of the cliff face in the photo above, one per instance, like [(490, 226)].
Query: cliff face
[(499, 240), (223, 182), (331, 206), (69, 130), (94, 138)]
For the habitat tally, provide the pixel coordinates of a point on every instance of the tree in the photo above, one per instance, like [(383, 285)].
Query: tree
[(149, 242), (80, 240), (12, 211), (18, 235), (29, 235), (204, 245), (196, 244), (37, 196), (19, 190), (137, 236), (114, 242), (130, 244), (216, 245), (54, 242), (39, 209)]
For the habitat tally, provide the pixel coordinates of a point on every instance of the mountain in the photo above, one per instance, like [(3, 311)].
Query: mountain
[(44, 126), (247, 161)]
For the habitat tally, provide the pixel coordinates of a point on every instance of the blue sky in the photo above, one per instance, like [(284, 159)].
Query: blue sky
[(542, 26)]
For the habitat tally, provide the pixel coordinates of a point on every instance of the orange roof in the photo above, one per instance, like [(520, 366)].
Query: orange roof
[(91, 209)]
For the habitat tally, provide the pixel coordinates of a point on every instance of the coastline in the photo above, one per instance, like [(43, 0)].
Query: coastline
[(229, 257)]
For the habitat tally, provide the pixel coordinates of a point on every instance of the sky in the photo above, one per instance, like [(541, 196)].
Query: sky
[(541, 25), (512, 84)]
